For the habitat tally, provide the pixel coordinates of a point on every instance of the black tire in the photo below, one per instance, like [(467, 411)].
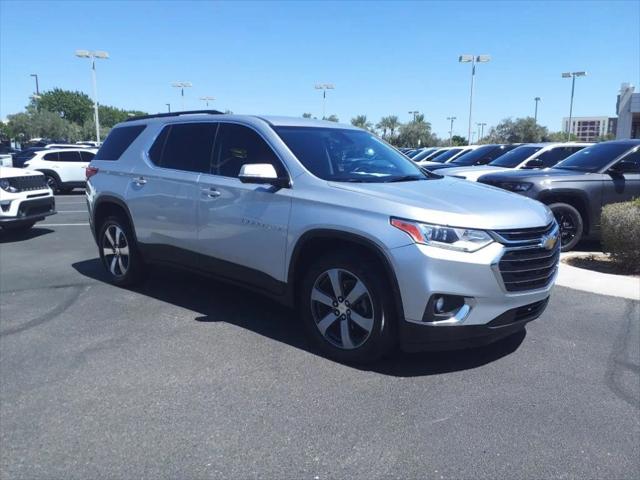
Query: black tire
[(376, 307), (124, 270), (571, 224), (53, 183), (19, 226)]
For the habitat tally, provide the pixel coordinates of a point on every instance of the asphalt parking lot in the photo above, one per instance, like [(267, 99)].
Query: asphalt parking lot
[(189, 378)]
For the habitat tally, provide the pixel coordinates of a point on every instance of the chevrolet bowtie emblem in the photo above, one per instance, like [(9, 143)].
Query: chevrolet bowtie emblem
[(548, 242)]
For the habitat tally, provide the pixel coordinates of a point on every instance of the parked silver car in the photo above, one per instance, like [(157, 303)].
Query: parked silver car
[(328, 218)]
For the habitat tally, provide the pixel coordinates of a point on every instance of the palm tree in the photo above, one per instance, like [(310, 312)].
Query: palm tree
[(393, 124), (383, 125), (360, 121)]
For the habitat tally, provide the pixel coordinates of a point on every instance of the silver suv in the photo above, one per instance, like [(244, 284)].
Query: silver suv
[(327, 218)]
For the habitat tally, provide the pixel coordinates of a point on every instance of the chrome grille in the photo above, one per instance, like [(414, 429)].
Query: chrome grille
[(31, 182), (528, 263)]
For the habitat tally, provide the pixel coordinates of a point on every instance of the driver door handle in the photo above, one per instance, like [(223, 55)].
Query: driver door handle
[(140, 181), (211, 192)]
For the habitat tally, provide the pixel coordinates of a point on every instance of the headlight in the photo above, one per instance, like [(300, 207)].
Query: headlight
[(463, 239), (515, 186), (6, 186)]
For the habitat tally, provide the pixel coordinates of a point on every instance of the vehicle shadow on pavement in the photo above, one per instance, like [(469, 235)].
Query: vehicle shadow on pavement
[(214, 301), (10, 236)]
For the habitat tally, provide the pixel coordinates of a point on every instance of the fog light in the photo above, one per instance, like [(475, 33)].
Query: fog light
[(442, 307), (439, 306)]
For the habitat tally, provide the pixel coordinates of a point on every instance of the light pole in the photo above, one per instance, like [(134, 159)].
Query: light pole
[(535, 114), (414, 113), (572, 76), (481, 130), (324, 87), (36, 96), (473, 59), (451, 119), (207, 99), (102, 55), (182, 86), (168, 107)]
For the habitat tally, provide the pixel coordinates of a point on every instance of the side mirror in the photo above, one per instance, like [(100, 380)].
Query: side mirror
[(262, 173), (535, 163), (624, 166)]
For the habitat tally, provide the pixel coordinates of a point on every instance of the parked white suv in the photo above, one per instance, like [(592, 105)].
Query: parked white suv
[(64, 168), (529, 156), (371, 249), (25, 198)]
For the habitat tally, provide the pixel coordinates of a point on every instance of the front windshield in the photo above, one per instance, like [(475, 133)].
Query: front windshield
[(444, 158), (594, 158), (470, 158), (423, 154), (515, 157), (345, 155)]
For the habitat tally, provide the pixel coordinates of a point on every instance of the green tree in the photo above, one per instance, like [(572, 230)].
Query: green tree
[(306, 115), (457, 140), (75, 107), (520, 130), (416, 133), (41, 124), (560, 137), (388, 124), (110, 116), (332, 118), (361, 121)]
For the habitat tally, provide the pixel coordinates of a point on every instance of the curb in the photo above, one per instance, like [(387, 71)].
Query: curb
[(597, 282)]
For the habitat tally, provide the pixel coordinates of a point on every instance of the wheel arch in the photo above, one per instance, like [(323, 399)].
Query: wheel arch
[(576, 199), (107, 205), (316, 242), (51, 173)]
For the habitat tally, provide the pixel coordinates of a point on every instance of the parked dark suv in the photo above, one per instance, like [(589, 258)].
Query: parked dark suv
[(577, 188)]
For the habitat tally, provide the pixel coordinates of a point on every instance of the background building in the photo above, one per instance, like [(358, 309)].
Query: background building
[(589, 129), (628, 108)]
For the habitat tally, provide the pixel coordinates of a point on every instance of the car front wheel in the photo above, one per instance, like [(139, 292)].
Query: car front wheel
[(571, 224), (347, 308)]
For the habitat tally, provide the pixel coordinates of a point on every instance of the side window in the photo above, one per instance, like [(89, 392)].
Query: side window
[(188, 146), (51, 157), (118, 141), (633, 158), (553, 156), (69, 156), (155, 152), (87, 156), (238, 145)]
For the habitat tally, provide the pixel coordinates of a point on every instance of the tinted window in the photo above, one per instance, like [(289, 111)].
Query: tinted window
[(595, 157), (478, 156), (424, 154), (188, 147), (553, 156), (51, 157), (155, 152), (446, 155), (237, 146), (87, 156), (68, 156), (635, 159), (118, 141), (515, 157)]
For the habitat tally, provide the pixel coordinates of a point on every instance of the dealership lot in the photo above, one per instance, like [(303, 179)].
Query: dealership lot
[(187, 377)]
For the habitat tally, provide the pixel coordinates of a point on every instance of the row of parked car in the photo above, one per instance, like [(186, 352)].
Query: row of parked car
[(574, 179)]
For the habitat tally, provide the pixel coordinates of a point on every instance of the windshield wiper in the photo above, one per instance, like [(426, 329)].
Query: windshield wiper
[(405, 178)]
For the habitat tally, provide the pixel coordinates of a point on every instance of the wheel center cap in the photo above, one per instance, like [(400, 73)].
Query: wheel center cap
[(342, 308)]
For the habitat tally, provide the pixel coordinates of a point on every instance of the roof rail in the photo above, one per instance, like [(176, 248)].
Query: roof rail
[(174, 114)]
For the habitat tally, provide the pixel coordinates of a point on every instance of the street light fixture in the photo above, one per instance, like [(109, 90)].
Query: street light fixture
[(93, 55), (324, 87), (207, 100), (451, 119), (182, 86), (572, 76), (535, 115), (473, 59), (414, 113), (168, 107)]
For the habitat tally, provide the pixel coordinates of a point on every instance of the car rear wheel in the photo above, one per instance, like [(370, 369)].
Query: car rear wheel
[(119, 253), (53, 183), (347, 308), (571, 224)]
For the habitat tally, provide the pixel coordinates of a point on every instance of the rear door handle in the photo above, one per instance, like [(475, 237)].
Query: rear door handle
[(211, 192), (140, 181)]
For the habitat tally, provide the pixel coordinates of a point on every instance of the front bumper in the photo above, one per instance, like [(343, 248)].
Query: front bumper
[(26, 210), (491, 311)]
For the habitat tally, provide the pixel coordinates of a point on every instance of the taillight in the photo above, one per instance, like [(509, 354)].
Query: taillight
[(90, 172)]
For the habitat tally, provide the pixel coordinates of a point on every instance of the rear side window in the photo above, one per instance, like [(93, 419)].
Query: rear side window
[(237, 146), (51, 157), (186, 146), (69, 156), (87, 156), (553, 156), (118, 141)]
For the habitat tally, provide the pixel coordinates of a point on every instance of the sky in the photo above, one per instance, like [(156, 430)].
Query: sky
[(383, 57)]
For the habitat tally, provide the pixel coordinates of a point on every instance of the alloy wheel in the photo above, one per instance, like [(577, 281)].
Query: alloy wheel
[(568, 228), (115, 250), (342, 308)]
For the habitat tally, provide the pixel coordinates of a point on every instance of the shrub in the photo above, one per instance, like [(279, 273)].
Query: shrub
[(621, 234)]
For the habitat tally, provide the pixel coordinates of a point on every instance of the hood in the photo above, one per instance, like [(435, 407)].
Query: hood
[(10, 172), (473, 173), (535, 175), (449, 201)]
